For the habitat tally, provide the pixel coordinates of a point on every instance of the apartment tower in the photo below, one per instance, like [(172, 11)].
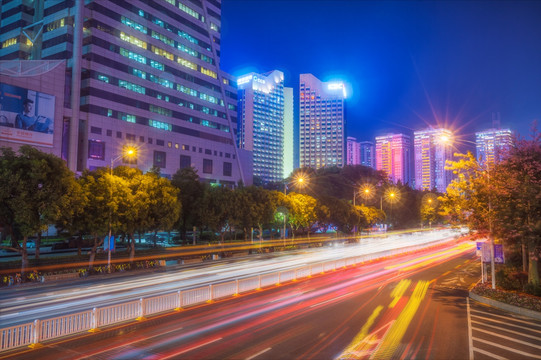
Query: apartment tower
[(393, 156), (322, 123), (432, 148), (261, 122), (141, 72)]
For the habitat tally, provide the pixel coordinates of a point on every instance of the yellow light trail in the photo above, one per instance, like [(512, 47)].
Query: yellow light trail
[(399, 290), (360, 342), (431, 257), (394, 336)]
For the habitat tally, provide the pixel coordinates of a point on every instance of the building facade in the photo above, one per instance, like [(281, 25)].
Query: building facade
[(432, 148), (353, 151), (393, 156), (289, 132), (322, 123), (492, 145), (143, 73), (261, 122), (368, 154)]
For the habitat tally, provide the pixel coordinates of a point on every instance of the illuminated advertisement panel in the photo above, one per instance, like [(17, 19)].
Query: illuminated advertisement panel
[(26, 116)]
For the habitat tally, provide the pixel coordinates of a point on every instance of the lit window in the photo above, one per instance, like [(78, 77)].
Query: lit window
[(209, 72), (133, 40), (187, 63), (9, 42), (161, 52)]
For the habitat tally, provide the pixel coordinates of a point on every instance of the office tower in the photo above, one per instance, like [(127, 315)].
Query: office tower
[(289, 133), (368, 154), (353, 151), (147, 73), (393, 156), (322, 124), (492, 145), (432, 147), (261, 122)]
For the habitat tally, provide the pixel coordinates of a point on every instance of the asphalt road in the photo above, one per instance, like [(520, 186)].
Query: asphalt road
[(414, 306), (25, 304)]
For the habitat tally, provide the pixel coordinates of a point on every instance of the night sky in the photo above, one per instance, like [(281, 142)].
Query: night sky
[(407, 64)]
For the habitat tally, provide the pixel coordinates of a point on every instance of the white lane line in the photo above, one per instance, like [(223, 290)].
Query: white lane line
[(189, 349), (506, 323), (507, 318), (470, 341), (508, 338), (490, 354), (324, 302), (259, 353), (533, 356), (505, 330)]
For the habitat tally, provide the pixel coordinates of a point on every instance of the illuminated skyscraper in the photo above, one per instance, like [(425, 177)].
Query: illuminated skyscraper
[(492, 145), (368, 154), (432, 149), (261, 122), (140, 72), (322, 124), (289, 133), (393, 156), (353, 150)]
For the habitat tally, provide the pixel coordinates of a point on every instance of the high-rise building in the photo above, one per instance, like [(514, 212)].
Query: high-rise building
[(289, 132), (393, 156), (368, 154), (353, 151), (432, 147), (261, 122), (139, 72), (322, 123), (492, 145)]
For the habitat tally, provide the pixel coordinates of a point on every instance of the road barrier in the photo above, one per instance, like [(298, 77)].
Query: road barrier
[(31, 334)]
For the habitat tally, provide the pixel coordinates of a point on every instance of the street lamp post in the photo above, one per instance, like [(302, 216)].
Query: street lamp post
[(127, 152)]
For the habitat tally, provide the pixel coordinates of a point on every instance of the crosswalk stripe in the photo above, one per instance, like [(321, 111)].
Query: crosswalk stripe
[(506, 330), (533, 356), (506, 318), (505, 323), (489, 354), (508, 338)]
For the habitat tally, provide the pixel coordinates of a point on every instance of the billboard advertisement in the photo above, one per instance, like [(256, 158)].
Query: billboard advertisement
[(26, 116)]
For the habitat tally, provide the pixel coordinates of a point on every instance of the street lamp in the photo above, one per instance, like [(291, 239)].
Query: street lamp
[(127, 152)]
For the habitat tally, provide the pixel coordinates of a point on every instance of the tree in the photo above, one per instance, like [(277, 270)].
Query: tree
[(303, 211), (36, 188), (190, 196), (216, 209)]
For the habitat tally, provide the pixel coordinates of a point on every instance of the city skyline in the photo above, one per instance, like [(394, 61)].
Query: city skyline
[(407, 66)]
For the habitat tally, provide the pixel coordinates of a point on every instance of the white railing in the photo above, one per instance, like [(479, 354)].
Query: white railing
[(16, 336), (119, 313), (42, 330), (158, 304), (195, 296), (224, 289), (248, 284), (64, 325)]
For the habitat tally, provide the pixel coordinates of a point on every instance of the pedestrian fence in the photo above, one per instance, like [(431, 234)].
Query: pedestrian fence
[(33, 333)]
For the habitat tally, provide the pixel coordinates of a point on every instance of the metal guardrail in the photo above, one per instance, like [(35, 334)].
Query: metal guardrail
[(30, 334)]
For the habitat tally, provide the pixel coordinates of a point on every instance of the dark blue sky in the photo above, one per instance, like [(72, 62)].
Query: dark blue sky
[(407, 64)]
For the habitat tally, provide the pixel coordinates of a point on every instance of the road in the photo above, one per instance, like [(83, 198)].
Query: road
[(413, 306), (25, 304)]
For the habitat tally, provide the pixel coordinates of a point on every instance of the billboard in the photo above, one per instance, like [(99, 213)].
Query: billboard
[(26, 116)]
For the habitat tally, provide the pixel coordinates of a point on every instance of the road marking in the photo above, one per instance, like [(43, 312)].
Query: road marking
[(506, 330), (509, 324), (189, 349), (470, 341), (507, 348), (508, 338), (490, 354), (259, 353), (324, 302)]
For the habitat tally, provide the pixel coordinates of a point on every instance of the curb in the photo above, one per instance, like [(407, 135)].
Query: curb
[(503, 306)]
